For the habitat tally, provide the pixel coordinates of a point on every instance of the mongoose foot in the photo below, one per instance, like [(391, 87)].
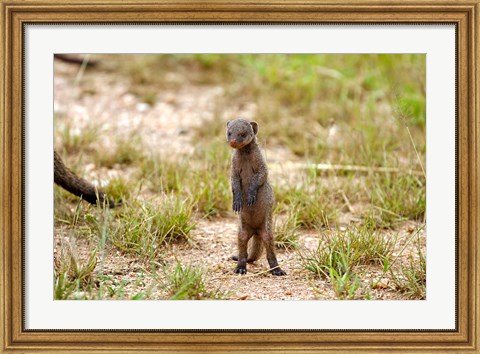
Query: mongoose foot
[(278, 271), (240, 270)]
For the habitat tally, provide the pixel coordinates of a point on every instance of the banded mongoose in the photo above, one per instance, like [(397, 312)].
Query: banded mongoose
[(252, 196), (76, 185)]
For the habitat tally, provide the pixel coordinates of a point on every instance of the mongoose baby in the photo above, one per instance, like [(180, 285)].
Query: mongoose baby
[(76, 185), (252, 196)]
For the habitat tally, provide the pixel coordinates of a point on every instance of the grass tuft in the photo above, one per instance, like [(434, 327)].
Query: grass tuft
[(287, 231), (186, 282), (396, 198), (142, 227), (126, 152), (71, 273), (312, 204), (410, 278), (341, 251), (162, 175)]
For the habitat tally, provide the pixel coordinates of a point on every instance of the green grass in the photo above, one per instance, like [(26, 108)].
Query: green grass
[(210, 181), (342, 251), (137, 226), (142, 228), (72, 275), (287, 231), (342, 257), (121, 188), (396, 198), (162, 175), (69, 265), (411, 278), (127, 151), (313, 204), (76, 141), (186, 282), (205, 179), (346, 285), (213, 194), (408, 276)]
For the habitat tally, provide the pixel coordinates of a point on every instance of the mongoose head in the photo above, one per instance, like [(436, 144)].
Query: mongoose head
[(241, 132)]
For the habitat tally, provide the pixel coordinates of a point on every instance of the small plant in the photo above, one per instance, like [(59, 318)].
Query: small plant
[(310, 203), (213, 194), (345, 285), (127, 151), (340, 272), (397, 198), (163, 175), (75, 141), (286, 231), (120, 189), (63, 287), (411, 278), (339, 254), (71, 274), (331, 254), (210, 182), (63, 202), (143, 227), (186, 283), (343, 250)]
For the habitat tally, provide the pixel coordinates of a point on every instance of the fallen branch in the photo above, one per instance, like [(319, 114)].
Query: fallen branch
[(251, 274), (349, 168)]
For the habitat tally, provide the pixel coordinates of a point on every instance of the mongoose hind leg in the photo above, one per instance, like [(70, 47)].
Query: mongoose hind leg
[(267, 239), (244, 234)]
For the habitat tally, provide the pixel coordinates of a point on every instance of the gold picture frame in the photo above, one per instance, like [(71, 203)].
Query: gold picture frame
[(463, 14)]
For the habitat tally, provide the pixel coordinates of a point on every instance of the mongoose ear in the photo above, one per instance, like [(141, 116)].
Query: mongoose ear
[(228, 123), (255, 127)]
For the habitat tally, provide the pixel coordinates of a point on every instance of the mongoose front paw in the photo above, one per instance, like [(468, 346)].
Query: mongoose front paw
[(251, 199), (240, 270), (237, 206), (278, 271)]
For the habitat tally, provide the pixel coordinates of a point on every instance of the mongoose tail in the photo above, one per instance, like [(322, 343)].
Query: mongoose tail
[(76, 185), (255, 250)]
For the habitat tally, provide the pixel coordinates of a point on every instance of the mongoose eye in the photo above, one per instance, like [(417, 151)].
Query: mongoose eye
[(243, 135)]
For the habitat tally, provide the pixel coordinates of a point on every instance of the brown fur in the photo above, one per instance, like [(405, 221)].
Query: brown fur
[(76, 185), (252, 196)]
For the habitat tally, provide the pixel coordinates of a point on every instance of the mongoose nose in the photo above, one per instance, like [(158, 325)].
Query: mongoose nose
[(233, 142)]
